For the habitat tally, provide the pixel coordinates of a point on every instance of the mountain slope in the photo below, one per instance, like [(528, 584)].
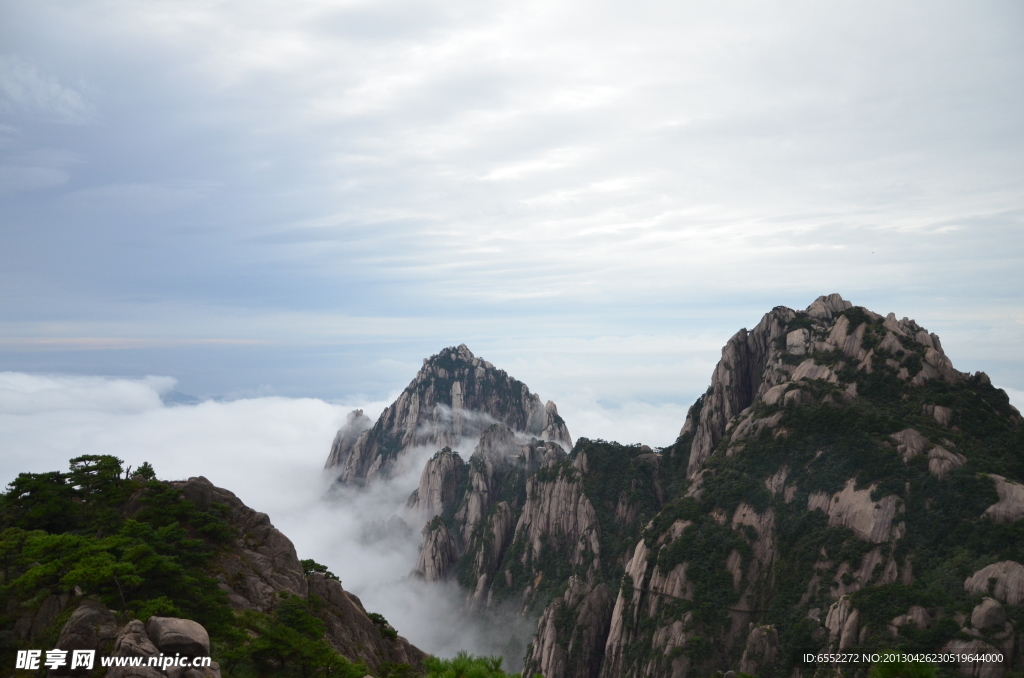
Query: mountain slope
[(454, 396), (79, 547), (839, 485)]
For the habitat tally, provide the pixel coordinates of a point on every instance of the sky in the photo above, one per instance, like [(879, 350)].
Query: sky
[(281, 209)]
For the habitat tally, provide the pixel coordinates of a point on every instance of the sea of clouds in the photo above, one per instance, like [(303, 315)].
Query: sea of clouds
[(270, 451)]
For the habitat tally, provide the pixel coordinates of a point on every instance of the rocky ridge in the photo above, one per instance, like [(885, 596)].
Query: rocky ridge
[(820, 496), (814, 489)]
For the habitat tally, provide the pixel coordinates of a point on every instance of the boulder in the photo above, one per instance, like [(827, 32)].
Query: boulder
[(132, 641), (988, 614), (941, 461), (178, 636), (909, 443), (91, 627), (1010, 506), (1007, 584)]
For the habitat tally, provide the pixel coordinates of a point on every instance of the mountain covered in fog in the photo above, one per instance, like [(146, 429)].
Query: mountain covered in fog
[(454, 397), (840, 485)]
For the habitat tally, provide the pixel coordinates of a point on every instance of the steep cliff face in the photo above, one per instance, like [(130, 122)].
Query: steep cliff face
[(454, 397), (839, 486), (262, 563)]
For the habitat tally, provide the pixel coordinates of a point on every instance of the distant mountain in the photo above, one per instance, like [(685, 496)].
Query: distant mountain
[(454, 398), (840, 486)]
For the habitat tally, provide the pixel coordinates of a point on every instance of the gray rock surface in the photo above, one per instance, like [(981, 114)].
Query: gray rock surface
[(580, 654), (133, 641), (761, 650), (941, 461), (988, 614), (90, 627), (1007, 581), (172, 636), (438, 553), (455, 396), (1010, 506)]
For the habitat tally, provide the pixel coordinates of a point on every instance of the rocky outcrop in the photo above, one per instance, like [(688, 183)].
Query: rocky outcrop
[(90, 627), (941, 461), (988, 614), (94, 627), (761, 650), (557, 511), (843, 624), (347, 435), (438, 553), (1010, 506), (770, 363), (1006, 579), (554, 654), (455, 396), (735, 383), (910, 443), (257, 568), (351, 632), (178, 636), (852, 508), (439, 483), (263, 561)]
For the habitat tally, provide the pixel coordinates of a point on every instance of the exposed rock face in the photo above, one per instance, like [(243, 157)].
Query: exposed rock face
[(439, 482), (453, 397), (352, 633), (941, 461), (91, 627), (558, 509), (1010, 506), (761, 650), (910, 443), (438, 554), (132, 641), (843, 624), (178, 636), (764, 365), (580, 655), (871, 521), (988, 614), (735, 383), (1007, 584), (264, 561)]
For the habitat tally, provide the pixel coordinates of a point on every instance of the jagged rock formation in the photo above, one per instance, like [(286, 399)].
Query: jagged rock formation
[(817, 491), (454, 397)]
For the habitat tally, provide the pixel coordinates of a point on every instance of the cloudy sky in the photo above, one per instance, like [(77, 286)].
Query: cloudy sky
[(305, 199), (281, 208)]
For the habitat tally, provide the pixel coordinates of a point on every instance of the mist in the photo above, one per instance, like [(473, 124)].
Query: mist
[(270, 452)]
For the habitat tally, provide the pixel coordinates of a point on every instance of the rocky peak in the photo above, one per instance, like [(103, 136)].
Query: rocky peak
[(453, 399), (775, 364)]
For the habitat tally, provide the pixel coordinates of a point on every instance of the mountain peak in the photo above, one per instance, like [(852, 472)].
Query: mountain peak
[(453, 398)]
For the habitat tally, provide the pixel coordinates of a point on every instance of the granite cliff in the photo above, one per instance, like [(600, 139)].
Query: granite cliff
[(840, 485)]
